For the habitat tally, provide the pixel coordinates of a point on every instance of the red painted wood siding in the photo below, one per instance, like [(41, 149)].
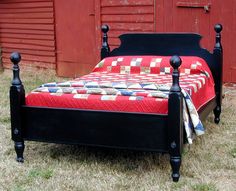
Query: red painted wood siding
[(78, 47), (173, 18), (75, 32), (27, 26), (127, 16)]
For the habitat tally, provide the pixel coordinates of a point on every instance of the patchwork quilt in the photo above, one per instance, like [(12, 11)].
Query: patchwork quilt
[(133, 84)]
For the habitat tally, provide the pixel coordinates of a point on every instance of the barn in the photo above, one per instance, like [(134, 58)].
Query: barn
[(65, 35)]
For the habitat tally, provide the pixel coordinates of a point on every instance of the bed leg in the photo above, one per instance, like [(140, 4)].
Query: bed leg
[(217, 112), (17, 99), (175, 120), (19, 148), (175, 163)]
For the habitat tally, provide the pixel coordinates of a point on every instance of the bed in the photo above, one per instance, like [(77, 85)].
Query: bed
[(135, 98)]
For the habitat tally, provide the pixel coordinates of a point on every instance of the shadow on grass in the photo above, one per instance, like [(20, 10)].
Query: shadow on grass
[(117, 159)]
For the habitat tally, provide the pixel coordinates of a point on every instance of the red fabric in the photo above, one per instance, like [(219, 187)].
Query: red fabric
[(188, 62), (122, 103), (106, 71)]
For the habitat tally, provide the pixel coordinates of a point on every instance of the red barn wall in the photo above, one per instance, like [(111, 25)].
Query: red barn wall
[(78, 26), (175, 16), (127, 16), (189, 15), (76, 39), (27, 26), (31, 27)]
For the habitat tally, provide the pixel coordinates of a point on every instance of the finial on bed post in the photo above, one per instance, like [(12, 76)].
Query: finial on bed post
[(105, 50), (218, 28), (17, 99), (15, 59), (175, 62), (218, 54), (175, 120)]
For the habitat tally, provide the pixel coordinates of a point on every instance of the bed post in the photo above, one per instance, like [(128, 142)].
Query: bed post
[(175, 120), (218, 55), (17, 99), (105, 50)]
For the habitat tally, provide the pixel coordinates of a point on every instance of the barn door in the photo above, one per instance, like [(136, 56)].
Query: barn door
[(75, 34), (185, 15), (200, 16)]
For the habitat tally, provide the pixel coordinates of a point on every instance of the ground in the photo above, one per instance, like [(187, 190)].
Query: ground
[(208, 165)]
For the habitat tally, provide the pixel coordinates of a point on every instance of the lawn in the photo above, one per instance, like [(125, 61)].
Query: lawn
[(208, 165)]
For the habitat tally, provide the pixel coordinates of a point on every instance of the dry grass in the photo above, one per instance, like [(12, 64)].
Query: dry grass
[(208, 165)]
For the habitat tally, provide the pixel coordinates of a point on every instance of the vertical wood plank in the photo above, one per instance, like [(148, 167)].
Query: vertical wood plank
[(224, 15), (76, 37), (159, 15), (98, 28), (168, 16)]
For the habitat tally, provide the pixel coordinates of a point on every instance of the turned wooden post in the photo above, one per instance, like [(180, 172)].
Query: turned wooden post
[(175, 120), (218, 54), (17, 99), (105, 50)]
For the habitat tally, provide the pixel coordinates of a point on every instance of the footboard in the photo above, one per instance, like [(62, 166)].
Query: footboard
[(136, 131)]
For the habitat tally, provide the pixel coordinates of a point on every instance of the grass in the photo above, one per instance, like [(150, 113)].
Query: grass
[(233, 152), (204, 187), (208, 165), (43, 173)]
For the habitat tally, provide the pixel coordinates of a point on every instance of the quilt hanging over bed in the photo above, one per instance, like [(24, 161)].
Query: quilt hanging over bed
[(132, 84)]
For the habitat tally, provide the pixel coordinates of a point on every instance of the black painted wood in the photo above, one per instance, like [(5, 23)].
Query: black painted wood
[(175, 120), (17, 99), (218, 55), (164, 44), (107, 129), (105, 50), (206, 109)]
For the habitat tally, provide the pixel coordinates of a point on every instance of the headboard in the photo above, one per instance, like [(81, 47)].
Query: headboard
[(169, 44)]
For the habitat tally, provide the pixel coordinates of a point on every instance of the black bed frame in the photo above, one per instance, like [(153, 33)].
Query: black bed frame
[(136, 131)]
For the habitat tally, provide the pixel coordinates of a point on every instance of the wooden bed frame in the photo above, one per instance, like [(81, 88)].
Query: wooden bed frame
[(136, 131)]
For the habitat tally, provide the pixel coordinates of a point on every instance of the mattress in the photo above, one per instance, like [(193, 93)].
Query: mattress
[(128, 84)]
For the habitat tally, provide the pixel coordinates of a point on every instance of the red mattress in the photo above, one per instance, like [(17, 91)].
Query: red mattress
[(128, 84)]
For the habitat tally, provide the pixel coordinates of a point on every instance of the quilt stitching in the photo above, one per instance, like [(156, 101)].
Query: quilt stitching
[(130, 82)]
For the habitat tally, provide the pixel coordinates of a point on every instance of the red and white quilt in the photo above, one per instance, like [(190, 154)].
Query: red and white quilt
[(128, 84)]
